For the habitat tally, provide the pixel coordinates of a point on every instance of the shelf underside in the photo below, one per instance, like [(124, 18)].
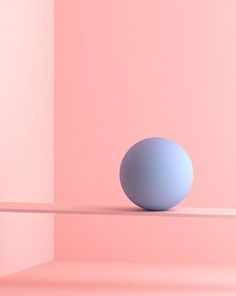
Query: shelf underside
[(132, 211)]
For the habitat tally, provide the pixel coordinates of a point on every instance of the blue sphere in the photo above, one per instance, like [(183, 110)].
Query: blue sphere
[(156, 174)]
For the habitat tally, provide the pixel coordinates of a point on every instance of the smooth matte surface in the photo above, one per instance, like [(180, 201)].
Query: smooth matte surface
[(26, 129), (74, 278), (72, 209), (156, 174), (131, 69)]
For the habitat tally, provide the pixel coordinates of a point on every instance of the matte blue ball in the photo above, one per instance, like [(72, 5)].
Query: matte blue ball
[(156, 174)]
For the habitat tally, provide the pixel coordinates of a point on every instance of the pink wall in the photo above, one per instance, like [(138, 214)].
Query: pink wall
[(127, 70), (26, 128)]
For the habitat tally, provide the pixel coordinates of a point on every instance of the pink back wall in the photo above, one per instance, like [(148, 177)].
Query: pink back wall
[(26, 128), (127, 70)]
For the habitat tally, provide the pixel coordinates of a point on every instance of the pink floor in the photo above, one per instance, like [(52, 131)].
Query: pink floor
[(86, 278)]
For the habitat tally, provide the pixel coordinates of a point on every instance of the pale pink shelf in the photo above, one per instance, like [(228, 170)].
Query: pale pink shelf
[(73, 209)]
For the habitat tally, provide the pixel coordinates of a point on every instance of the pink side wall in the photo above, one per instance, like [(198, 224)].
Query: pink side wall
[(131, 69), (26, 129)]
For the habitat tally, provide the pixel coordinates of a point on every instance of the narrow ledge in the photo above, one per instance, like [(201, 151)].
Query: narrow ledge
[(48, 208)]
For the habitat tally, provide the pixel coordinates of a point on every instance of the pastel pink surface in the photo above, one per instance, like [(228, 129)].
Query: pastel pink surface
[(127, 70), (66, 209), (26, 129), (72, 278)]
